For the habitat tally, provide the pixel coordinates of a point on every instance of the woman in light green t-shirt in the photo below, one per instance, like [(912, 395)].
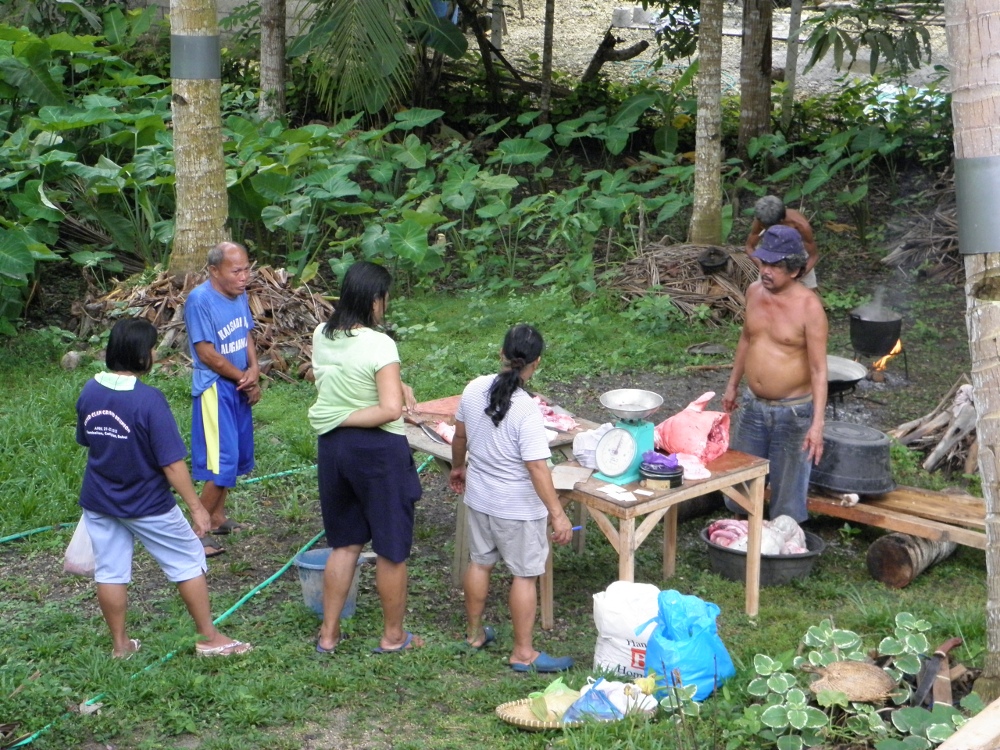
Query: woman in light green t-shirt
[(368, 483)]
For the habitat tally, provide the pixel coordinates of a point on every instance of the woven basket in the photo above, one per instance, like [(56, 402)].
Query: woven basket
[(519, 714), (860, 681)]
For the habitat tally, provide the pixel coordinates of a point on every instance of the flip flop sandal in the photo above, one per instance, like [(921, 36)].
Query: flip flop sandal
[(212, 548), (235, 648), (407, 645), (228, 526), (491, 636), (136, 647), (321, 650)]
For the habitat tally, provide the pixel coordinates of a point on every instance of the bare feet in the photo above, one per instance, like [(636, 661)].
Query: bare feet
[(408, 643)]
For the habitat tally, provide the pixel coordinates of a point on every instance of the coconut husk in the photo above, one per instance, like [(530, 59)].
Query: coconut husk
[(860, 681), (673, 270), (285, 316)]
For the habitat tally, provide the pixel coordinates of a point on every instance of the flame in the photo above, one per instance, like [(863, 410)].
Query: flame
[(880, 364)]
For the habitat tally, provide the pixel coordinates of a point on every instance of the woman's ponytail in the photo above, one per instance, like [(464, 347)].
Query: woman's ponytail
[(521, 346)]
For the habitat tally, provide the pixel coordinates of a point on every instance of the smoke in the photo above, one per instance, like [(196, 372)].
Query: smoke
[(876, 311)]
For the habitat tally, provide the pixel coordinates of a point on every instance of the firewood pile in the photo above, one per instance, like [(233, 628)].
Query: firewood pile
[(947, 435), (284, 315), (674, 271), (931, 244)]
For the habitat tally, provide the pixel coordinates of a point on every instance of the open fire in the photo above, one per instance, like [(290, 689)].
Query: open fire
[(880, 364)]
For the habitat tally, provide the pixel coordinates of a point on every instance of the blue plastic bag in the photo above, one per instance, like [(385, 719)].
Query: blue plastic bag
[(687, 641)]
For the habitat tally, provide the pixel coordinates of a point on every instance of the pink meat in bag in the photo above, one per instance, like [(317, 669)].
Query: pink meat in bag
[(704, 434)]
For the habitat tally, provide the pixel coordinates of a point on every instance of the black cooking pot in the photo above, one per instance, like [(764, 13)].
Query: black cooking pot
[(876, 338), (855, 459), (713, 260)]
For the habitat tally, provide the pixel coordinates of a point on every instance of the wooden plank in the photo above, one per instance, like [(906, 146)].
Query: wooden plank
[(981, 732), (894, 520), (963, 510)]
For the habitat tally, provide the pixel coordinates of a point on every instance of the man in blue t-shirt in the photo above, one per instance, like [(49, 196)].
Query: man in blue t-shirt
[(225, 382)]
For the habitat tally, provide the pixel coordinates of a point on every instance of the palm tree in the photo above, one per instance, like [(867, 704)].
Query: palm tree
[(202, 205), (706, 214), (973, 29)]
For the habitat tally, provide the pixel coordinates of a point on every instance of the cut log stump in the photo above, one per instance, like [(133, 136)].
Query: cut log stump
[(897, 559)]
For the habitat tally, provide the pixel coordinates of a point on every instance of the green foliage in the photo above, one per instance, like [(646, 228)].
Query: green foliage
[(901, 41)]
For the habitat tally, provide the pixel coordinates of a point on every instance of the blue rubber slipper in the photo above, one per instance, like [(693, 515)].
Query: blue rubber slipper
[(321, 650), (406, 646), (545, 663), (491, 636)]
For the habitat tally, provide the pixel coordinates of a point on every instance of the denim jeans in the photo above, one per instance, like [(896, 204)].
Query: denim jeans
[(776, 433)]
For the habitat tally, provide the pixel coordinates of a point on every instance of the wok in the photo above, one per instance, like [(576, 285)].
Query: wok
[(842, 374)]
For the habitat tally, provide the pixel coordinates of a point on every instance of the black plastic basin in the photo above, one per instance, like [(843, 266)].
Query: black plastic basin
[(855, 459)]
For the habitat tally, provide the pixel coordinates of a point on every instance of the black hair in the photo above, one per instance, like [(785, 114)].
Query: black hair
[(130, 346), (363, 284), (521, 346), (792, 263)]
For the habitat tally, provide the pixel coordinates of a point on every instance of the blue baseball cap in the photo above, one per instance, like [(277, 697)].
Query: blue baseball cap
[(777, 243)]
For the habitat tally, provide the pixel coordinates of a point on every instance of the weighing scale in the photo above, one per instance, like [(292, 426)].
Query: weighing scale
[(619, 452)]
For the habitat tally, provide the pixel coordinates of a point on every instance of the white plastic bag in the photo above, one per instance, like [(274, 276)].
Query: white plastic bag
[(79, 558), (618, 611)]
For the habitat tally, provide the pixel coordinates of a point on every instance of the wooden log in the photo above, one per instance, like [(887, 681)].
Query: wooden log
[(897, 559), (937, 422), (606, 52), (963, 424), (972, 458)]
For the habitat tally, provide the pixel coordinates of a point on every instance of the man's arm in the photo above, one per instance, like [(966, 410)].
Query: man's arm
[(730, 397), (809, 242), (816, 336), (756, 229), (250, 382)]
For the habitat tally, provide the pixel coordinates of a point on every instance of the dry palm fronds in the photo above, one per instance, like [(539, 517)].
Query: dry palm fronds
[(932, 243), (284, 315), (674, 270)]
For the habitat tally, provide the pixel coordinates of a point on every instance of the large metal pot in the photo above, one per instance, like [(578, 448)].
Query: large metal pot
[(855, 459), (875, 338)]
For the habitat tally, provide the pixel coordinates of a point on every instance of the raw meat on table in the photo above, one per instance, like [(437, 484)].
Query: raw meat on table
[(550, 418), (445, 430)]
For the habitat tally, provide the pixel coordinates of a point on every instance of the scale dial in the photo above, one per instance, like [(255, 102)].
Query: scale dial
[(615, 452)]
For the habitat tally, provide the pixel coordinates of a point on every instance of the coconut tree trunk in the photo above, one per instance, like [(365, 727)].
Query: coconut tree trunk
[(755, 72), (200, 184), (546, 96), (272, 60), (973, 29), (706, 213), (791, 62)]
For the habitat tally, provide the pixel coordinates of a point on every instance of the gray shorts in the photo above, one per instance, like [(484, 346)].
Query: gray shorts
[(523, 545), (169, 538)]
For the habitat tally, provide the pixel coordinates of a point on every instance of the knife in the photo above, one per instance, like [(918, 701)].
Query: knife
[(428, 431)]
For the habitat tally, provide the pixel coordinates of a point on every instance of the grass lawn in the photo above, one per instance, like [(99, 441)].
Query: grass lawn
[(54, 654)]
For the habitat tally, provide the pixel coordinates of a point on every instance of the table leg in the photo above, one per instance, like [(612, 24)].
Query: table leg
[(670, 542), (546, 581), (461, 558), (755, 494), (626, 549)]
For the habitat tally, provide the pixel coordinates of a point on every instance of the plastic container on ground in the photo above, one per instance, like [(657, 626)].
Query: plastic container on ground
[(775, 570), (311, 565)]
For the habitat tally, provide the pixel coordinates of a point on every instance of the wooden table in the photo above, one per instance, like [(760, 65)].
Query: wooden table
[(737, 475)]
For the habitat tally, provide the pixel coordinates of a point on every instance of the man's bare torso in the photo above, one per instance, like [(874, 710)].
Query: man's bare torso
[(777, 362)]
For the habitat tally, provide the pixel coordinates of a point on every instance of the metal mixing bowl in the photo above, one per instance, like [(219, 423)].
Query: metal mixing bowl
[(631, 403)]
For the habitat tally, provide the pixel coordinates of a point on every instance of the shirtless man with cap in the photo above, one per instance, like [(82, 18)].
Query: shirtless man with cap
[(782, 353)]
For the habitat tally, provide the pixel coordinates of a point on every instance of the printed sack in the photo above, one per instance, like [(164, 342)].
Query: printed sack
[(619, 613)]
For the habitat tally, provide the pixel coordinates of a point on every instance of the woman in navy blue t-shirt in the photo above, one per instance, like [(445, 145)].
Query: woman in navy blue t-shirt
[(135, 454)]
